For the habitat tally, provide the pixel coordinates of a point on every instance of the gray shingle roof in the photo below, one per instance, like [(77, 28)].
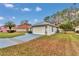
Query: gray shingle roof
[(43, 23)]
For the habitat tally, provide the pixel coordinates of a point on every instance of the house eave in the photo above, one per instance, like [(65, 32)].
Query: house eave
[(43, 25)]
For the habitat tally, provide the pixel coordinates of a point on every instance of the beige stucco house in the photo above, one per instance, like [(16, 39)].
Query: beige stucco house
[(44, 28)]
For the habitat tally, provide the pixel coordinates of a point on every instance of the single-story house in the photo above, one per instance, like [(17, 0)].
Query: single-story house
[(44, 28), (18, 28), (3, 29), (23, 27)]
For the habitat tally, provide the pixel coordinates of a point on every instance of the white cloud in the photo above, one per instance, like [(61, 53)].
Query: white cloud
[(35, 20), (26, 9), (13, 17), (9, 5), (38, 9), (1, 18)]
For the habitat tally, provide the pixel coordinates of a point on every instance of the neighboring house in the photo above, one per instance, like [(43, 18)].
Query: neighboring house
[(44, 28), (18, 28), (76, 28), (3, 29), (23, 27)]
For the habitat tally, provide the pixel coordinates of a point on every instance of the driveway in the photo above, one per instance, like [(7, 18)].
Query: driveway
[(5, 42)]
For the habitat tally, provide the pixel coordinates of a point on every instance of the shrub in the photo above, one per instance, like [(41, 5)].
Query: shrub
[(29, 31), (77, 31), (67, 26), (11, 31)]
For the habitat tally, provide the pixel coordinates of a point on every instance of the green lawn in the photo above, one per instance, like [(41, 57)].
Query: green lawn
[(10, 35), (59, 44)]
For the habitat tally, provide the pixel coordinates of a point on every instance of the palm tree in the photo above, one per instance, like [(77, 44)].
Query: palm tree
[(10, 24)]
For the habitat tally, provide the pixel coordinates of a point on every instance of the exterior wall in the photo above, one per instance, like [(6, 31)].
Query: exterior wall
[(21, 30), (51, 30), (38, 30), (41, 30), (54, 30), (3, 29)]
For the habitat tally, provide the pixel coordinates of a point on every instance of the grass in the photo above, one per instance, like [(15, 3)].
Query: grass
[(57, 45), (10, 35)]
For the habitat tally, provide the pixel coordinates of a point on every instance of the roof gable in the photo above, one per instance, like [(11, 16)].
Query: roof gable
[(23, 26)]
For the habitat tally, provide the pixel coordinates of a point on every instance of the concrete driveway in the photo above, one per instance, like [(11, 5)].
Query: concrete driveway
[(5, 42)]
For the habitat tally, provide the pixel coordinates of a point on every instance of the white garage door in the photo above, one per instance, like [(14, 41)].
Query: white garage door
[(38, 30)]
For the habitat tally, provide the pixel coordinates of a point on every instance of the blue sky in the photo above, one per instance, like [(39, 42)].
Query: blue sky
[(33, 12)]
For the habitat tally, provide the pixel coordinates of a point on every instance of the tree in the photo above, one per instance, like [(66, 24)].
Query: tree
[(10, 24), (46, 19), (68, 26), (76, 22)]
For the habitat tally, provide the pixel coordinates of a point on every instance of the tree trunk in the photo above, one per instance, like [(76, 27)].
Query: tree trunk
[(10, 28)]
